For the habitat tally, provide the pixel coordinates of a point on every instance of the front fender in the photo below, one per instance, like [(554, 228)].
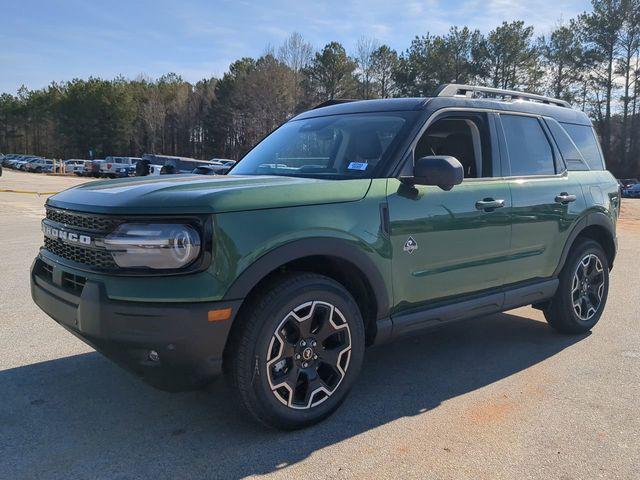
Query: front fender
[(345, 250)]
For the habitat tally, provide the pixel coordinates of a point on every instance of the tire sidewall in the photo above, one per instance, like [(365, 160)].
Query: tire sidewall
[(317, 289)]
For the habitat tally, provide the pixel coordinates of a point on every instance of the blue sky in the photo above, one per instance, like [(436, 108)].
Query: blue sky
[(45, 40)]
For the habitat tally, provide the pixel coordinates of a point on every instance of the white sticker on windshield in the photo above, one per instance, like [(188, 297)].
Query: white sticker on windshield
[(358, 166)]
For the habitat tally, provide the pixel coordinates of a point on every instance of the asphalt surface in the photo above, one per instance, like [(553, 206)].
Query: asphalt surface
[(498, 397)]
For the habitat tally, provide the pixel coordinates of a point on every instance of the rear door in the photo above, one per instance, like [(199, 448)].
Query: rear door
[(546, 198)]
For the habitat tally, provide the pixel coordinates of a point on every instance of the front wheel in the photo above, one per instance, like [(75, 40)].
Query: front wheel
[(582, 291), (296, 353)]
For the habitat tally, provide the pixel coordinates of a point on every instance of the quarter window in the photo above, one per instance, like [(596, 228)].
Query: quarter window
[(585, 139), (568, 149), (527, 145)]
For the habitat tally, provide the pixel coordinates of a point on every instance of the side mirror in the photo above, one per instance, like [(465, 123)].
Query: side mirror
[(440, 170)]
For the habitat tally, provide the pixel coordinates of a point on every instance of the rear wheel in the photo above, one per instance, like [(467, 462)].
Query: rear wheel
[(582, 291), (296, 354)]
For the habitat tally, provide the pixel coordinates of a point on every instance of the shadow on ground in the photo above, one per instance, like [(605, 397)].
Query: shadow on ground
[(81, 416)]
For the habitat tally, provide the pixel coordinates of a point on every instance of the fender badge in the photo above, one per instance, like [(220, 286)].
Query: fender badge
[(410, 245)]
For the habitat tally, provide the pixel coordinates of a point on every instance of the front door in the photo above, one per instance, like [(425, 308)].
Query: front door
[(450, 243)]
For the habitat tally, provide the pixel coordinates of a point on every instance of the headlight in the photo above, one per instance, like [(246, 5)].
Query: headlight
[(153, 245)]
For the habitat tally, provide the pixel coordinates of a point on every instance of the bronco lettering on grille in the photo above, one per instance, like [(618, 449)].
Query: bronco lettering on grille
[(65, 235)]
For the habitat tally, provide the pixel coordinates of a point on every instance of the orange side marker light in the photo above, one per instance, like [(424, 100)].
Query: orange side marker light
[(219, 315)]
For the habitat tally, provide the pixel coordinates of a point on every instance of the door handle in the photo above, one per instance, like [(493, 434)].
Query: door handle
[(489, 204), (564, 198)]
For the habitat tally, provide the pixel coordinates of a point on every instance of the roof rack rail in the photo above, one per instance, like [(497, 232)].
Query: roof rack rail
[(335, 101), (456, 90)]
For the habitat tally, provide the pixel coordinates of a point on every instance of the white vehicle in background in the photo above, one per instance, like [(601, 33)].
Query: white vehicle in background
[(114, 167), (74, 165), (155, 169)]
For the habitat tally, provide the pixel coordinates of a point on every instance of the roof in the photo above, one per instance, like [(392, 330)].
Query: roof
[(556, 111), (364, 106)]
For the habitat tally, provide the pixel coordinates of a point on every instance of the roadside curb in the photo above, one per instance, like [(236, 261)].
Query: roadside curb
[(7, 190)]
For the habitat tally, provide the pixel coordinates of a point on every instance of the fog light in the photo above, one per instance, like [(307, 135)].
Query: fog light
[(153, 356)]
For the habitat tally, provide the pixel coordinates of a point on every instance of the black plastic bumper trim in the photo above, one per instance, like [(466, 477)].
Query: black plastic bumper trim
[(190, 347)]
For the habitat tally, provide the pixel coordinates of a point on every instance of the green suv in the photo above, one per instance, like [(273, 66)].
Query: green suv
[(350, 225)]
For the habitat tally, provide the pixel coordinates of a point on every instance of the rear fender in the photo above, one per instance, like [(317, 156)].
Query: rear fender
[(599, 219)]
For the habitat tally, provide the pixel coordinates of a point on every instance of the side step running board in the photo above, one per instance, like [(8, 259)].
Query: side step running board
[(405, 323)]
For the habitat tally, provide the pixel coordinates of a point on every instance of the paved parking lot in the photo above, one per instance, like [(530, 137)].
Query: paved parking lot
[(37, 182), (498, 397)]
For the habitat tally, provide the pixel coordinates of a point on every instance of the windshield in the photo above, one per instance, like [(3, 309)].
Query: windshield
[(338, 146)]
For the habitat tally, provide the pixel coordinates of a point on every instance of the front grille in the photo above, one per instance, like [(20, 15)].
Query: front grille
[(91, 222), (95, 258)]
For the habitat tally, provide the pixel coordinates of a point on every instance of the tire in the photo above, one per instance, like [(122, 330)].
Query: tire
[(285, 334), (582, 291)]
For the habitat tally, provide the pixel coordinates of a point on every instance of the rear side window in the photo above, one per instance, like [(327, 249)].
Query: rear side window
[(585, 139), (527, 145)]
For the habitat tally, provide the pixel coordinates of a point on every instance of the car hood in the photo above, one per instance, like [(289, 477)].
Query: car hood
[(180, 194)]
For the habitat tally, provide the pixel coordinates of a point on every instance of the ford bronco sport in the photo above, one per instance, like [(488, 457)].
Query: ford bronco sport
[(350, 225)]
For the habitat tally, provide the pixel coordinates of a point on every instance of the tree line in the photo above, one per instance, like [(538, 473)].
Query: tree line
[(593, 61)]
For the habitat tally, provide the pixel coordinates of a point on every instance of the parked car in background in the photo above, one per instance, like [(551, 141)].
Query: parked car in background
[(171, 164), (10, 159), (21, 164), (221, 166), (16, 162), (86, 170), (205, 170), (155, 169), (92, 168), (632, 191), (114, 167), (39, 165), (627, 182), (28, 167), (74, 165)]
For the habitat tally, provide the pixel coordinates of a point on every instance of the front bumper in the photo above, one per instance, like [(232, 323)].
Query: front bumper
[(189, 347)]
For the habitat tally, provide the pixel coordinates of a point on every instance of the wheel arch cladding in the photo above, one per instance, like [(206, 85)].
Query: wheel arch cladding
[(338, 259), (596, 226)]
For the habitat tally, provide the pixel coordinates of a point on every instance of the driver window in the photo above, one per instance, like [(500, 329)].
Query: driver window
[(463, 137)]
